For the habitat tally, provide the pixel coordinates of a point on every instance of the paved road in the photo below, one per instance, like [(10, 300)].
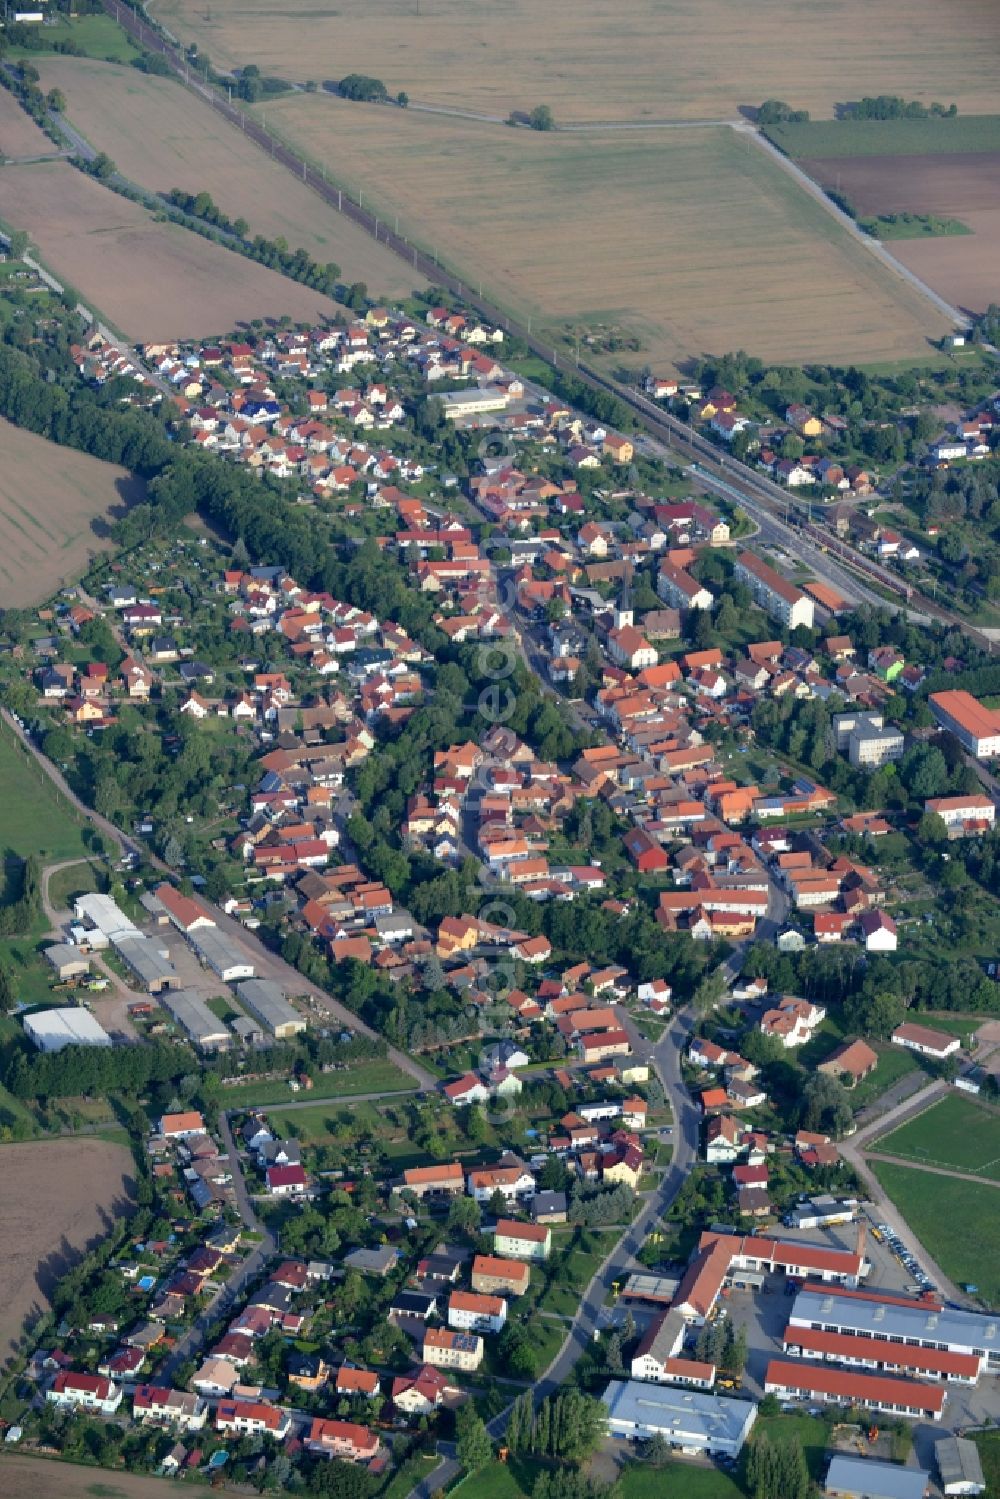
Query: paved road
[(250, 1268), (665, 1057)]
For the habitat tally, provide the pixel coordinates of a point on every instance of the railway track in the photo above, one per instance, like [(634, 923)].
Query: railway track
[(724, 474)]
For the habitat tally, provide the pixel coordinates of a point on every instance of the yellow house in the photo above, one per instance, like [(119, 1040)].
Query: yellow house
[(620, 449), (626, 1167)]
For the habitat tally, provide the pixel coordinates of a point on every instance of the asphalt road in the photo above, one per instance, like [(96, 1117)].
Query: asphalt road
[(665, 1058), (245, 1273)]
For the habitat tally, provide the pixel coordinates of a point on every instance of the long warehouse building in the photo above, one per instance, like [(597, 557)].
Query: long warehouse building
[(193, 1016), (976, 727), (266, 1000), (879, 1356), (889, 1321), (899, 1397)]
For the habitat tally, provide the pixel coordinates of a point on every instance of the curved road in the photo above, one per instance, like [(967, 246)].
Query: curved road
[(665, 1058)]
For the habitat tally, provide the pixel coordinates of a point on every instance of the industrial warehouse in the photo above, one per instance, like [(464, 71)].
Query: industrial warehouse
[(688, 1420)]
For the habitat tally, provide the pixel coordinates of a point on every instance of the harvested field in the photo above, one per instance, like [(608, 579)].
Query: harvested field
[(151, 280), (161, 136), (691, 240), (951, 186), (19, 135), (43, 1478), (56, 506), (60, 1197), (965, 270), (649, 59)]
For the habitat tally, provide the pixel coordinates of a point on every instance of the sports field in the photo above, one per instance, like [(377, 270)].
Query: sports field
[(161, 136), (956, 1132), (958, 1222), (151, 280), (692, 241), (55, 508), (644, 59)]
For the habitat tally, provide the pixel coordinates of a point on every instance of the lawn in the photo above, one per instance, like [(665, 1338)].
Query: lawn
[(66, 884), (956, 1132), (574, 1274), (34, 818), (677, 1481), (510, 1480), (940, 1211), (819, 138), (988, 1443), (368, 1077), (809, 1430), (95, 36), (893, 1063)]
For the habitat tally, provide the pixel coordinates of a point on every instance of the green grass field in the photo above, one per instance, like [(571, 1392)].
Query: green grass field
[(956, 1132), (958, 1222), (988, 1443), (34, 818), (66, 884), (821, 138), (510, 1480), (95, 36), (369, 1077), (677, 1481)]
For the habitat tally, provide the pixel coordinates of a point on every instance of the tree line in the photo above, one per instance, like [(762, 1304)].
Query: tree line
[(17, 915), (297, 265)]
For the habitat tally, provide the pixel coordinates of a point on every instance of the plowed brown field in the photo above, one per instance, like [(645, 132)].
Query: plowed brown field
[(59, 1198)]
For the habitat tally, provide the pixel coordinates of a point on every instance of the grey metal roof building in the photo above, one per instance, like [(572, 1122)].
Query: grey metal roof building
[(51, 1030), (67, 960), (922, 1326), (686, 1419), (150, 964), (226, 958), (193, 1015), (865, 1478), (266, 1000), (102, 912), (959, 1466)]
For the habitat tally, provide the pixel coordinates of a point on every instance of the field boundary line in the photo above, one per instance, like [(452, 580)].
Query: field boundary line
[(954, 1174)]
